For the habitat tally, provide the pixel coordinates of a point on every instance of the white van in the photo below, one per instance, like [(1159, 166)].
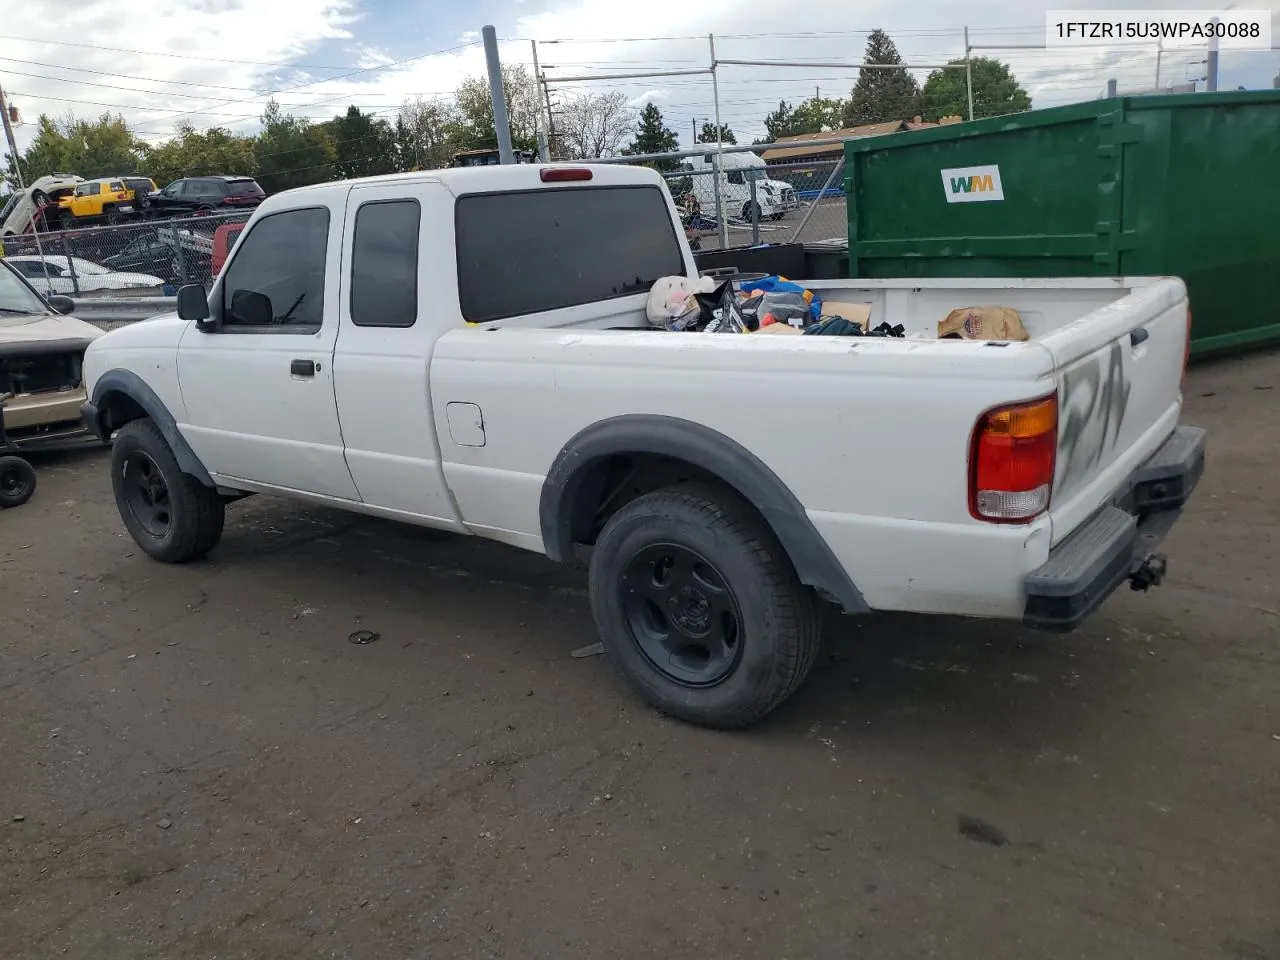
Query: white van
[(20, 211), (737, 171)]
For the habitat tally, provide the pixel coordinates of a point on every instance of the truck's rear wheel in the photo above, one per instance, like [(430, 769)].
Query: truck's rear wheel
[(170, 515), (698, 606)]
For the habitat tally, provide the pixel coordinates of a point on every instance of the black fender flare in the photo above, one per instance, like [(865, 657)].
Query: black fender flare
[(135, 388), (713, 452)]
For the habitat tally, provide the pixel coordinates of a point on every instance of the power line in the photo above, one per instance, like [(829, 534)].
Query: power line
[(177, 56)]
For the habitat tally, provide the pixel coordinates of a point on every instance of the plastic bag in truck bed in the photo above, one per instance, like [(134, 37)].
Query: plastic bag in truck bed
[(982, 323)]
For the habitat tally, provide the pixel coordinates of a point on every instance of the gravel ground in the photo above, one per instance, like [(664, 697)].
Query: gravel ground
[(197, 763)]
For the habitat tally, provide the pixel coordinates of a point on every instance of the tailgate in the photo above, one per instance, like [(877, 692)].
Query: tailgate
[(1118, 373)]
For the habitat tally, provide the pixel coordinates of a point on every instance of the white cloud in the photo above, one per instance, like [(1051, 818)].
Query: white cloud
[(650, 96)]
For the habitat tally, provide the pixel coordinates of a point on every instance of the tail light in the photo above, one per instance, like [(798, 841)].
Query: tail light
[(1012, 462), (563, 174)]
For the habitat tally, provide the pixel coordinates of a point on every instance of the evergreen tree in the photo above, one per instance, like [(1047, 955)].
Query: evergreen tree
[(708, 134), (781, 123), (881, 95), (652, 136), (364, 146)]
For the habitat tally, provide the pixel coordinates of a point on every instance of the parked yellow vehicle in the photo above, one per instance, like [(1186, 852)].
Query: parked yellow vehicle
[(109, 199)]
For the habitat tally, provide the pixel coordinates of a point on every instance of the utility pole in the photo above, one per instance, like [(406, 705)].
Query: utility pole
[(13, 146), (1211, 74), (546, 97), (1159, 54), (544, 133), (968, 70), (718, 164), (498, 94)]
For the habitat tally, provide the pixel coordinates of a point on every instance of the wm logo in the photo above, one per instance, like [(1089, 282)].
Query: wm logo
[(981, 184)]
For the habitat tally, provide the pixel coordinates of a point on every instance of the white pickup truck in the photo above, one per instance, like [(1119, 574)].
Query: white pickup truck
[(461, 349)]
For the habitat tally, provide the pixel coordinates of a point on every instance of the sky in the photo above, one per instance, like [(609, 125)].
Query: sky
[(216, 62)]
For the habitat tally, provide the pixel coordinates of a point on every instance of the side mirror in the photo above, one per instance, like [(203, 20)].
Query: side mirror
[(252, 308), (61, 304), (193, 303)]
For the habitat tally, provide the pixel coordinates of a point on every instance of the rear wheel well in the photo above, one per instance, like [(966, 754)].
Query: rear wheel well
[(116, 409), (611, 482)]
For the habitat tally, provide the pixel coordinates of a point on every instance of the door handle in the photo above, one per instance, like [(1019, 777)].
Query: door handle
[(1139, 336), (302, 368)]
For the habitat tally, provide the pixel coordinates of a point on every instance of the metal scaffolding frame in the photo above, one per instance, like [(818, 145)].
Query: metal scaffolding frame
[(713, 70)]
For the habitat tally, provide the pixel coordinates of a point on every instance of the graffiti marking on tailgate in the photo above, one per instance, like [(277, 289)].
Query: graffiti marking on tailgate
[(1095, 395)]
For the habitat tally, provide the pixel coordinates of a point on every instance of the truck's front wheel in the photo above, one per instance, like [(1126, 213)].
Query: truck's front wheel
[(699, 608), (172, 516)]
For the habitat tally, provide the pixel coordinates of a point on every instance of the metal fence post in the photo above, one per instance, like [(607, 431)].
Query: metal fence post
[(755, 216), (817, 200), (68, 251), (179, 252), (718, 165)]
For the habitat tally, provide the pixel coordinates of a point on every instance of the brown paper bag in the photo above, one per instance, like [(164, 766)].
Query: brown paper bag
[(859, 313), (779, 328), (983, 323)]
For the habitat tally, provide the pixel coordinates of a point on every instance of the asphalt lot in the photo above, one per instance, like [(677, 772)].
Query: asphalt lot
[(197, 763), (830, 220)]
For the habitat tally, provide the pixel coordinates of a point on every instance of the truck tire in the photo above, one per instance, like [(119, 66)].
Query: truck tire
[(17, 482), (112, 215), (699, 608), (170, 515)]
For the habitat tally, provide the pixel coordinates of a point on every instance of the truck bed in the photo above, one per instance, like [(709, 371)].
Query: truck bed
[(1045, 305)]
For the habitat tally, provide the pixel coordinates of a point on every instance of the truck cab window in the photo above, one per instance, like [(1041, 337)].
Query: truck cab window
[(277, 276), (536, 250), (735, 176), (384, 264)]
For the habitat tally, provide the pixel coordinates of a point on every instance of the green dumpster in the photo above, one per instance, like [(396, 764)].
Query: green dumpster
[(1183, 185)]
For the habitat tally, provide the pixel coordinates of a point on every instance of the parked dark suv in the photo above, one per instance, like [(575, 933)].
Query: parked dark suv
[(198, 194)]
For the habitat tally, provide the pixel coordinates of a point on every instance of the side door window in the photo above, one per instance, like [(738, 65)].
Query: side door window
[(384, 264), (275, 283)]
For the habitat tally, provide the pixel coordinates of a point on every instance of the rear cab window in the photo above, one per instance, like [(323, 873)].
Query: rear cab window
[(535, 250)]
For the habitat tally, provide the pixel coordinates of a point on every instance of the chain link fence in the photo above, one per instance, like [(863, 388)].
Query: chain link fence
[(758, 203), (140, 259)]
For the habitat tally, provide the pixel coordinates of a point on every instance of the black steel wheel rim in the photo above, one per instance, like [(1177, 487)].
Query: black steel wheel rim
[(146, 494), (13, 482), (681, 614)]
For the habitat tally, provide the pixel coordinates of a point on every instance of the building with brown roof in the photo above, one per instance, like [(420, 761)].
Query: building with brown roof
[(799, 149)]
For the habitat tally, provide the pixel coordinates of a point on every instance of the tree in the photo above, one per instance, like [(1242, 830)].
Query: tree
[(292, 152), (364, 146), (780, 123), (708, 134), (195, 153), (996, 91), (476, 128), (882, 94), (653, 136), (818, 115), (815, 115), (104, 147), (426, 133), (594, 125)]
